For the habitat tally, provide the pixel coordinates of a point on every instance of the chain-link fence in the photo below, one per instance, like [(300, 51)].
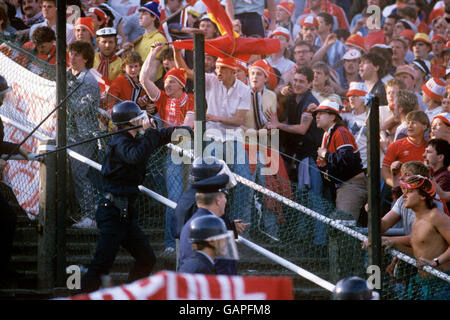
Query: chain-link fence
[(286, 219)]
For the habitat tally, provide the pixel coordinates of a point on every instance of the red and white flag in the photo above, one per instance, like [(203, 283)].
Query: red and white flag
[(168, 285)]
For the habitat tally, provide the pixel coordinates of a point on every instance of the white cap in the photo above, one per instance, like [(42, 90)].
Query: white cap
[(352, 54)]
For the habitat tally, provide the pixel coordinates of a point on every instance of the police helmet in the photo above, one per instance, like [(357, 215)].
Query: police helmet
[(4, 88), (126, 111), (203, 168), (353, 288), (205, 227)]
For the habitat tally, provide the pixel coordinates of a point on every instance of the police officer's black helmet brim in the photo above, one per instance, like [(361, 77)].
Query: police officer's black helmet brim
[(205, 227), (125, 111), (4, 88)]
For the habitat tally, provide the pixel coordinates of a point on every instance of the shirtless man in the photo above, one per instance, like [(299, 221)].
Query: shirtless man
[(430, 235)]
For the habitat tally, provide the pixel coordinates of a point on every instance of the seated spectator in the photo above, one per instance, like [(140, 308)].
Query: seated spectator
[(407, 149), (340, 161), (432, 94)]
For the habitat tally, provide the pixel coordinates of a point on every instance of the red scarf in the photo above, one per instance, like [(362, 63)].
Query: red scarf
[(174, 117), (103, 66)]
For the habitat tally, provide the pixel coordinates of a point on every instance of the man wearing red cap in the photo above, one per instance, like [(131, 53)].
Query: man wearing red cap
[(340, 161), (173, 105)]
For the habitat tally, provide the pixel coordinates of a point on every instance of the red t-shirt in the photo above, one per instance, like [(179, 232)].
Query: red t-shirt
[(173, 111), (404, 150)]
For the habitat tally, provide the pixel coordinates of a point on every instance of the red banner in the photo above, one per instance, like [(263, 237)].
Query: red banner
[(168, 285)]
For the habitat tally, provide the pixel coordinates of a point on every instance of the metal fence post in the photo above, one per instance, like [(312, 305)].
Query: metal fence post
[(46, 250), (199, 91)]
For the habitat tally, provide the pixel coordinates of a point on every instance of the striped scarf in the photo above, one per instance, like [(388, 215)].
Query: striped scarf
[(103, 66)]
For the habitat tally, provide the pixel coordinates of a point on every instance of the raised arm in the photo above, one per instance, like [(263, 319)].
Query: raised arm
[(148, 71)]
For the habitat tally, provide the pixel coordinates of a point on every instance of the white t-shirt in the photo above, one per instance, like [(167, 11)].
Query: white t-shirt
[(357, 125), (225, 103), (283, 65)]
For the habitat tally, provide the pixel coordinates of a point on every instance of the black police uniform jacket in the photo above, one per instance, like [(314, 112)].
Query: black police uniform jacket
[(198, 263), (125, 162)]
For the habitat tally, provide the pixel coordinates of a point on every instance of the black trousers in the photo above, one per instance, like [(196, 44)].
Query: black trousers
[(113, 234), (8, 221)]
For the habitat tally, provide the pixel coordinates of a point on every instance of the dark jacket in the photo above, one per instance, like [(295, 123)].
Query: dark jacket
[(302, 145), (198, 263), (124, 165)]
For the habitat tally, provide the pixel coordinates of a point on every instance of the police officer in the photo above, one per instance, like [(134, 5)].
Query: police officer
[(210, 240), (123, 170), (354, 288), (8, 216), (205, 168)]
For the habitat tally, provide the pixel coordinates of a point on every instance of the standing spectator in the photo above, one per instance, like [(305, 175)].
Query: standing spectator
[(371, 71), (279, 60), (405, 101), (149, 16), (172, 104), (321, 88), (300, 139), (437, 157), (250, 13), (85, 30), (421, 46), (127, 86), (430, 236), (314, 7), (340, 162), (408, 75), (31, 12), (303, 53), (349, 72), (399, 50), (284, 12), (357, 118), (440, 127), (388, 27), (106, 62), (309, 28), (433, 92), (49, 13), (82, 123), (423, 72), (331, 49), (356, 41), (407, 149)]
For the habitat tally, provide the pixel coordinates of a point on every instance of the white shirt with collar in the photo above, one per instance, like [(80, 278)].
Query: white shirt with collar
[(225, 102)]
